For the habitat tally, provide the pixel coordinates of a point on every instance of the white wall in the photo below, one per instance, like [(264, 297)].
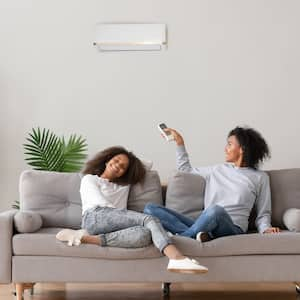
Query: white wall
[(228, 63)]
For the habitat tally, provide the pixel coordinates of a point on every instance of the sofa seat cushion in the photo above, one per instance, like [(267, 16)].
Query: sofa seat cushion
[(283, 243), (44, 243)]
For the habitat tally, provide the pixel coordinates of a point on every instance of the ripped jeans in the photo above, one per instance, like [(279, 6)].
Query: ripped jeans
[(124, 228)]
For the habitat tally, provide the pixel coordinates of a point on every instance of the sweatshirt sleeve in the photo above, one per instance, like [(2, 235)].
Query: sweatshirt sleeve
[(183, 163), (263, 205), (90, 192)]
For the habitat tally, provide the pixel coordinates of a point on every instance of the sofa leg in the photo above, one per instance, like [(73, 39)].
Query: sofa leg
[(297, 287), (166, 288), (21, 287), (20, 290), (14, 292)]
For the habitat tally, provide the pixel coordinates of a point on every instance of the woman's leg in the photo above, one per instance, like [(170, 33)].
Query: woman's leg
[(226, 227), (215, 221), (170, 219)]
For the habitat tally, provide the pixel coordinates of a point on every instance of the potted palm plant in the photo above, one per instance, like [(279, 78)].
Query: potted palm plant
[(44, 150)]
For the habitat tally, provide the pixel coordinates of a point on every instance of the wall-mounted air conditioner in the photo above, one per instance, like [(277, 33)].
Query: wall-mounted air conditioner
[(130, 37)]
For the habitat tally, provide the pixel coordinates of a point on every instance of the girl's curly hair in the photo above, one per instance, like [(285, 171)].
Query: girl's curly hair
[(255, 148), (135, 172)]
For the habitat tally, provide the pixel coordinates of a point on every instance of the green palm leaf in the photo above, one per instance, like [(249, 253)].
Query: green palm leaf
[(74, 153), (42, 149), (45, 151)]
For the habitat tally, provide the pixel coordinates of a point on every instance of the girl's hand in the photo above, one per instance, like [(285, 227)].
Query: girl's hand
[(272, 230), (177, 137)]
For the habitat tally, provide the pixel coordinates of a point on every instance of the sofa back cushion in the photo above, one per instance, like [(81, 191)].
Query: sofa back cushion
[(285, 193), (185, 193), (55, 196), (148, 191)]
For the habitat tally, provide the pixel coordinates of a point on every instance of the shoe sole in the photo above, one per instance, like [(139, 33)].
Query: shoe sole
[(188, 271)]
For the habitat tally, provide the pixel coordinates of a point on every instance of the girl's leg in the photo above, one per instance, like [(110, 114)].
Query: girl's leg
[(172, 252), (105, 219), (102, 220), (170, 219), (91, 239), (132, 237)]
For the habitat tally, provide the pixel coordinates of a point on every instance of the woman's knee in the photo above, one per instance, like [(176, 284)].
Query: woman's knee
[(215, 211)]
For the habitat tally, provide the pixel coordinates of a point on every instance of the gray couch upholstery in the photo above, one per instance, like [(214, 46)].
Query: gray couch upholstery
[(39, 257)]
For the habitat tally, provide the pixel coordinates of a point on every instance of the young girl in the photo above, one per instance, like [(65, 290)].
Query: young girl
[(106, 221)]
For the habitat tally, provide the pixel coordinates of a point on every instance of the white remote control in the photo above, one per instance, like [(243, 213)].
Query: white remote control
[(167, 135)]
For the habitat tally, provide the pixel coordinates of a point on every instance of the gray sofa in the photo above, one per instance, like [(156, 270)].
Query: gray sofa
[(39, 257)]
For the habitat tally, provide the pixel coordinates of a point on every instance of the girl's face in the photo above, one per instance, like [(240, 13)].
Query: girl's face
[(117, 166), (233, 150)]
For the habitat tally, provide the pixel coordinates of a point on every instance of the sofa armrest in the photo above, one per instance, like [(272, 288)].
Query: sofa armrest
[(6, 234)]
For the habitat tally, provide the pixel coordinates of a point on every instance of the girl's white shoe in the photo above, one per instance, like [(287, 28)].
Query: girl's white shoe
[(186, 265), (73, 237)]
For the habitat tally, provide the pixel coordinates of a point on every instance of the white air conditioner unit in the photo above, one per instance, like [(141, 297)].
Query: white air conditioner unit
[(130, 37)]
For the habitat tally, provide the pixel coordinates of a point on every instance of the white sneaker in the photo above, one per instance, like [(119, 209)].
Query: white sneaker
[(73, 237), (186, 265)]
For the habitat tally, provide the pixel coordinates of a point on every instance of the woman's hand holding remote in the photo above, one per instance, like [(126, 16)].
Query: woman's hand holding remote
[(177, 137)]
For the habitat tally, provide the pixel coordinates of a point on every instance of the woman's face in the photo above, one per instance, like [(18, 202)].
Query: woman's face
[(117, 166), (233, 150)]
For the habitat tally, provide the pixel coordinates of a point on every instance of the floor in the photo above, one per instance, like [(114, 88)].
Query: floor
[(72, 291)]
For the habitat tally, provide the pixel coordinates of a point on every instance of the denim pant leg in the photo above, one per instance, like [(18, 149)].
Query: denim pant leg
[(226, 227), (160, 237), (101, 220), (171, 220), (215, 221), (132, 237)]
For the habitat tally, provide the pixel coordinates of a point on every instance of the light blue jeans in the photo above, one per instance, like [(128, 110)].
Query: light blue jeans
[(124, 228), (214, 220)]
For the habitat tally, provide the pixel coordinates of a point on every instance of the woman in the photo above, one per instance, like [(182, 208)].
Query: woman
[(231, 190), (106, 221)]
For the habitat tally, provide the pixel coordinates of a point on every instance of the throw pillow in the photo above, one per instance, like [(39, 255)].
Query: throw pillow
[(27, 221), (291, 219), (185, 193)]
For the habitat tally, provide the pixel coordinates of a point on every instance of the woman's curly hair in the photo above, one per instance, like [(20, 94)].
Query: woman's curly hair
[(255, 148), (135, 172)]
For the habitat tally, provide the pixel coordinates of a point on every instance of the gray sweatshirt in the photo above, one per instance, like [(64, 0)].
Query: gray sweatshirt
[(236, 189)]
